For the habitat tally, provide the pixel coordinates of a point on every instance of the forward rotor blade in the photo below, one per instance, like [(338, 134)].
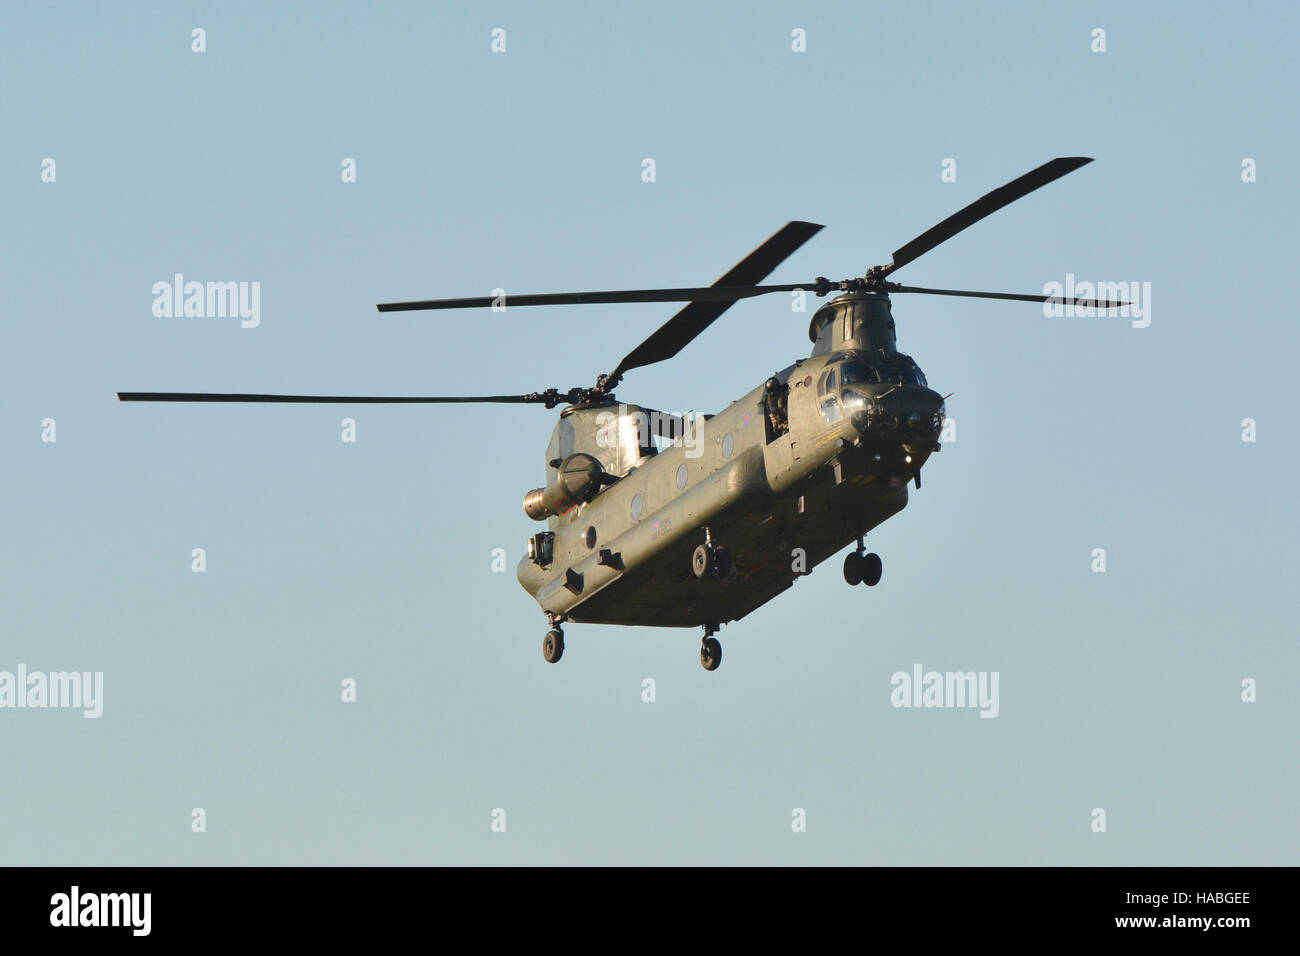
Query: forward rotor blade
[(566, 298), (679, 331), (754, 268), (1015, 296), (327, 399), (984, 206)]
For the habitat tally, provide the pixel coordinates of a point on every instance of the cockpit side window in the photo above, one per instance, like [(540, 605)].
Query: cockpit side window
[(831, 412)]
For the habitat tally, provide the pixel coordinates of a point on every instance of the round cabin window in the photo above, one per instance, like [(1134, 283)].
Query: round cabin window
[(636, 507), (591, 537), (728, 444), (681, 477)]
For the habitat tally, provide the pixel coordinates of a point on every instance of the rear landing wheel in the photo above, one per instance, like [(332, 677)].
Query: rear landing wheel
[(553, 645), (710, 654), (872, 568)]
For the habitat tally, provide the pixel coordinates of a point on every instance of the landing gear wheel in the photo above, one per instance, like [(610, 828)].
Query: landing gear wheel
[(704, 562), (710, 654), (853, 567), (553, 645), (721, 562), (871, 569)]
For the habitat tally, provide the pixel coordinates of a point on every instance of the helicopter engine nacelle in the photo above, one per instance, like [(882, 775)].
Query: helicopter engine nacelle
[(580, 477)]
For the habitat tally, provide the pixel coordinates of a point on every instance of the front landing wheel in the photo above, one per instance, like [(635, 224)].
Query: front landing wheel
[(853, 567), (553, 645), (871, 569)]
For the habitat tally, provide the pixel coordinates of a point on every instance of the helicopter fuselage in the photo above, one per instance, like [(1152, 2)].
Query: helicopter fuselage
[(781, 479)]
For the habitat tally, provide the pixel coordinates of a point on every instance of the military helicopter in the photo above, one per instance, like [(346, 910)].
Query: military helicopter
[(725, 511)]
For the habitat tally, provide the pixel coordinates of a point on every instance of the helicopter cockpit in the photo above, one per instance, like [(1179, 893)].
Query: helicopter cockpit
[(882, 368), (901, 412)]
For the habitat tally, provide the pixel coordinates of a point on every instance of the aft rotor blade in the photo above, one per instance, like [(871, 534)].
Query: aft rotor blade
[(675, 334), (752, 269), (671, 427), (984, 206), (326, 399), (1015, 296)]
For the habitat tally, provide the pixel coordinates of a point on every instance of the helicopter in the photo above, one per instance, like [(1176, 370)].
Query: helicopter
[(663, 520)]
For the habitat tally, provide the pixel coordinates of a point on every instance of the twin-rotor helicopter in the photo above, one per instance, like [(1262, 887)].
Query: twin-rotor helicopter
[(655, 520)]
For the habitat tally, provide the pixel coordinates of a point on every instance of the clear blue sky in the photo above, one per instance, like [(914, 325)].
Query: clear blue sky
[(372, 561)]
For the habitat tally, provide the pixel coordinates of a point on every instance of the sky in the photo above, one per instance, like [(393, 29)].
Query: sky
[(371, 561)]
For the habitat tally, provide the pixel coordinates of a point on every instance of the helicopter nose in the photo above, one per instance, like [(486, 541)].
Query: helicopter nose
[(906, 414)]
